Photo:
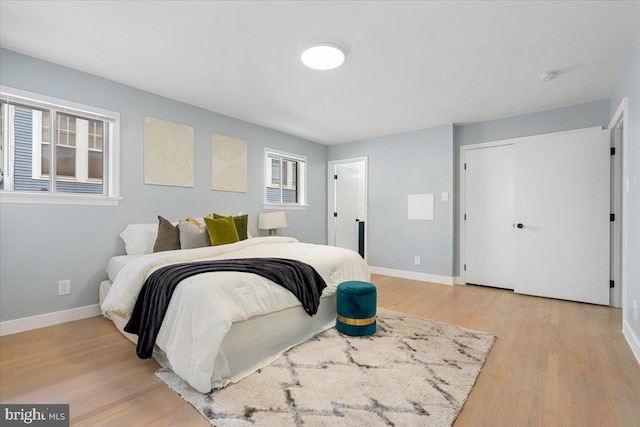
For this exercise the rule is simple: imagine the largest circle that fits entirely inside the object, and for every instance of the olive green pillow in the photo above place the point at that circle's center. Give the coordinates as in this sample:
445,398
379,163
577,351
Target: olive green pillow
240,221
168,236
221,231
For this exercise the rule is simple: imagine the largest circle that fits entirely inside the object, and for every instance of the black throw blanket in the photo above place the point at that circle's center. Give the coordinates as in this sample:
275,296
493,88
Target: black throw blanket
153,300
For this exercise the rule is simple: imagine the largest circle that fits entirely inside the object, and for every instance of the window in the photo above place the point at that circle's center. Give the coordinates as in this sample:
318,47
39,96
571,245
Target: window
54,151
285,179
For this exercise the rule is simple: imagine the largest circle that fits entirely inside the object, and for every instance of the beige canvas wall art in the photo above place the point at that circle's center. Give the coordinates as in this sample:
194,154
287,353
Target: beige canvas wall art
228,163
168,153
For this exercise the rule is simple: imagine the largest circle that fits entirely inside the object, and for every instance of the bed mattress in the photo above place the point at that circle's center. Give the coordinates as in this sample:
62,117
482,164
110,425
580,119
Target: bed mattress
220,327
117,263
251,344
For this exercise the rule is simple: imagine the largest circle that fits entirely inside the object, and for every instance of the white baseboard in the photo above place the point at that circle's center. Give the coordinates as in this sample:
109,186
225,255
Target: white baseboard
34,322
412,275
458,280
632,339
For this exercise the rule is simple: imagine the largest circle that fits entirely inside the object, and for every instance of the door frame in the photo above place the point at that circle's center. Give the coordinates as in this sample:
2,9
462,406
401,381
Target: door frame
463,151
619,120
331,196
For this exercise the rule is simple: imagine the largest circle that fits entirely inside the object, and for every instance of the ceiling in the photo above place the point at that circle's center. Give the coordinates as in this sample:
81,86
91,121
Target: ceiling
410,65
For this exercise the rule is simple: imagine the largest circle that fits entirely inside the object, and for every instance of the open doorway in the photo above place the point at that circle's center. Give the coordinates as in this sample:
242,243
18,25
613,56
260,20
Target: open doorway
347,187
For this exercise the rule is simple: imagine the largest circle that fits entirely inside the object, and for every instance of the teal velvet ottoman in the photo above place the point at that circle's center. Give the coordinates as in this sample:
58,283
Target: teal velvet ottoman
356,306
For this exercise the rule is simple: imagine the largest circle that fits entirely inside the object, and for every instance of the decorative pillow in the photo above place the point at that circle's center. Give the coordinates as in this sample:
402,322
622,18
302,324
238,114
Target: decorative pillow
221,231
241,222
168,236
195,222
139,238
193,236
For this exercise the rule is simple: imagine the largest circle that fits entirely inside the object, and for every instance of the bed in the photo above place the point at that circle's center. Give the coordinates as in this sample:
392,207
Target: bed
222,326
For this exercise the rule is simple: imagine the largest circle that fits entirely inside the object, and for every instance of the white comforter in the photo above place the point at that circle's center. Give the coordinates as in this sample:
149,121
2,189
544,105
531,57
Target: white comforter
203,307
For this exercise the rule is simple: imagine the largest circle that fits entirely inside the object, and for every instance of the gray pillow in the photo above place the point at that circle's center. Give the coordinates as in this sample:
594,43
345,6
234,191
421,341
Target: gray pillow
193,236
168,236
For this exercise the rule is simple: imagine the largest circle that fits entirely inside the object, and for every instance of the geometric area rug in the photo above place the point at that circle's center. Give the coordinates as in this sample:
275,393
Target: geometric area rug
412,372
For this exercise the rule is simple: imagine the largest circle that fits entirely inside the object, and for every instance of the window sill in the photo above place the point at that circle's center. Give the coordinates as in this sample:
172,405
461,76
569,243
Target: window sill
57,199
285,207
45,178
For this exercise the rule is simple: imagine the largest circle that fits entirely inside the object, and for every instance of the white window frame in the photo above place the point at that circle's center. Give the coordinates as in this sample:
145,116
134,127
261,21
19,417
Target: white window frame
111,179
269,153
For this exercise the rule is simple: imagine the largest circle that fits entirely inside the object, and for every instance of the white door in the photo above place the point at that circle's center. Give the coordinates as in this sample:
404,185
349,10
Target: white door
562,203
489,209
346,221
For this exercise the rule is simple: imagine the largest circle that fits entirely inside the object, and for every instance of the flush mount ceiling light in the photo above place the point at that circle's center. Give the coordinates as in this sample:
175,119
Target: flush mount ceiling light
549,75
323,56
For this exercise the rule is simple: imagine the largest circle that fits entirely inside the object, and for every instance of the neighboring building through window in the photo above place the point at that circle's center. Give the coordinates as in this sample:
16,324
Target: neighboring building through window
285,179
56,151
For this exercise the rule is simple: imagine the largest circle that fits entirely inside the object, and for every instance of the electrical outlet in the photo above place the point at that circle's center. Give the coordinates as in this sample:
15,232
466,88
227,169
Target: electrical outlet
64,287
416,260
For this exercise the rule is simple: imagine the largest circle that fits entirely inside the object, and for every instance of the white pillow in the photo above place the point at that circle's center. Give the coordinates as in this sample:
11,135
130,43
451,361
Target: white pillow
139,238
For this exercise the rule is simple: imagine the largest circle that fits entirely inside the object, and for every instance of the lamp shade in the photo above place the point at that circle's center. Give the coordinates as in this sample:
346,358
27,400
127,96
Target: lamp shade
272,220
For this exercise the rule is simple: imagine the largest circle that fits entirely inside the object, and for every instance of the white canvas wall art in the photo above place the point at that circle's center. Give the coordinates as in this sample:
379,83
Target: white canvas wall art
228,163
168,153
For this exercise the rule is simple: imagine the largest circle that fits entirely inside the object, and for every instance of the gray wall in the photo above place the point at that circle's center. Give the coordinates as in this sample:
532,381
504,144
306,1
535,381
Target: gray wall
579,116
427,161
416,162
41,244
629,86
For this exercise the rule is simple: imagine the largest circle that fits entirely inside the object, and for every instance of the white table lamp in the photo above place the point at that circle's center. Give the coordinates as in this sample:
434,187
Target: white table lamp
272,221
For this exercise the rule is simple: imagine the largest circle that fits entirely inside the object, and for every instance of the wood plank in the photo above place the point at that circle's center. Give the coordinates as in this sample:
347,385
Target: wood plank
555,363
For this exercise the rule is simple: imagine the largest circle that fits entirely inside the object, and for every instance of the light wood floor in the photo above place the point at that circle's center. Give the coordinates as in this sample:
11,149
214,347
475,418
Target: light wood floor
555,363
